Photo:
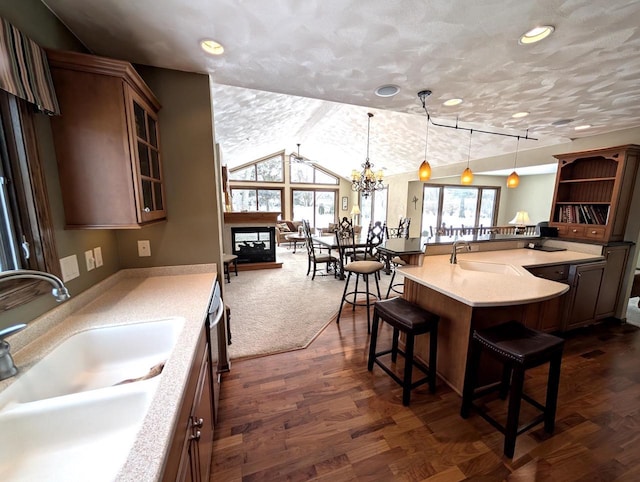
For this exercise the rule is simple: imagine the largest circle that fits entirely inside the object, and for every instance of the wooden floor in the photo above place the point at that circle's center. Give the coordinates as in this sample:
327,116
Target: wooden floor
318,414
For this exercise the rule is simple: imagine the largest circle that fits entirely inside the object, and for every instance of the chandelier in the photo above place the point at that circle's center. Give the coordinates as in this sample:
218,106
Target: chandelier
366,181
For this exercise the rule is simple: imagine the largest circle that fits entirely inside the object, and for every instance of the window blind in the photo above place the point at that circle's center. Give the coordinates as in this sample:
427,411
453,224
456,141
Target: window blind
24,71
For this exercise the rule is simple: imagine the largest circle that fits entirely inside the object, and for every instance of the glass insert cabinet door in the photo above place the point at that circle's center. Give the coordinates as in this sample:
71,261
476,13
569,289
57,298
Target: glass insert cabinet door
151,192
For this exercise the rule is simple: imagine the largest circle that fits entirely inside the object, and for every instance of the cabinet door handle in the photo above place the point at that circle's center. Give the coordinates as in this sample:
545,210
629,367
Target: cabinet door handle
574,230
198,423
147,210
196,436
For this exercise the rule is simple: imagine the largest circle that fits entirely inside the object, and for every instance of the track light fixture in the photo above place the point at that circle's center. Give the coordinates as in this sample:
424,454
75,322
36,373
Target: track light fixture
423,94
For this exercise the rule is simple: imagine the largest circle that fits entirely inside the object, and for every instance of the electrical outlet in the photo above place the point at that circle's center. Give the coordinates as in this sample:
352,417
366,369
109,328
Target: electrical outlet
69,268
144,248
91,262
97,254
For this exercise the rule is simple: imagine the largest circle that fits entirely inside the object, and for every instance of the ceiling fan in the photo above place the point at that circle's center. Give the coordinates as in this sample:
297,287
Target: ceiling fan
298,158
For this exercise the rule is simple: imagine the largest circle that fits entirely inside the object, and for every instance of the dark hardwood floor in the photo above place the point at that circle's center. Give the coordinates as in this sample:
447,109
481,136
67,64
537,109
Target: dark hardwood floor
318,414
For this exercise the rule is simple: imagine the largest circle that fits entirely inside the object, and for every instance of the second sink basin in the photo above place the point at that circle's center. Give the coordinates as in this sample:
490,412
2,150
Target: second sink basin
488,267
96,358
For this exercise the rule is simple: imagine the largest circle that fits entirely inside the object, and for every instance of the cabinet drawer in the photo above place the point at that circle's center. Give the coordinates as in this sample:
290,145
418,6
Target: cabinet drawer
592,232
558,272
574,231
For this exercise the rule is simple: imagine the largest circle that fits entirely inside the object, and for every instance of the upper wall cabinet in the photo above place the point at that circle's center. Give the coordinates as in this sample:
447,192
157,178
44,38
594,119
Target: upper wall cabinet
107,143
593,193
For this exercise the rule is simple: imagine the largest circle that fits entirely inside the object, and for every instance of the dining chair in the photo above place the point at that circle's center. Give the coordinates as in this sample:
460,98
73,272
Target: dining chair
402,231
375,237
345,241
317,258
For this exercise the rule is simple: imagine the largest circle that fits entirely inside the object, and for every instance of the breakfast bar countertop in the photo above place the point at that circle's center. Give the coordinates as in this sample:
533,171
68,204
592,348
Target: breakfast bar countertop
128,296
477,287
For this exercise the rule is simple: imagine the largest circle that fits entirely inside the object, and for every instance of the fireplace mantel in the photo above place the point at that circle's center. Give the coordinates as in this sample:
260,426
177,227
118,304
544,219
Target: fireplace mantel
251,218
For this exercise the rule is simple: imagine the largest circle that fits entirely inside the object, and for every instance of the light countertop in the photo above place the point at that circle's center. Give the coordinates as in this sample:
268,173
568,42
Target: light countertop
126,297
485,289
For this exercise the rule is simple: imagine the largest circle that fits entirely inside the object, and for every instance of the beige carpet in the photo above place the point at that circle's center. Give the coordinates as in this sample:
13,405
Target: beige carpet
276,310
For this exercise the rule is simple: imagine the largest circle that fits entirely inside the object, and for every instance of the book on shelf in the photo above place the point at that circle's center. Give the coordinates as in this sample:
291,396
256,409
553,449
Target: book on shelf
583,214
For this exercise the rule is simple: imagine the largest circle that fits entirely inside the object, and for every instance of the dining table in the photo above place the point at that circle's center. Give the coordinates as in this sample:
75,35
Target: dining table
330,242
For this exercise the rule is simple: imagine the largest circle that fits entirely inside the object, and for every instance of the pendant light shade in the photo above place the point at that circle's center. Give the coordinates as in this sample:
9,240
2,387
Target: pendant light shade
467,175
513,180
424,173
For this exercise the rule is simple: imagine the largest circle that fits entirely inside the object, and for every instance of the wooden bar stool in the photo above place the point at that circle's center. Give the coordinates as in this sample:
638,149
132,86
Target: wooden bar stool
229,260
518,348
411,320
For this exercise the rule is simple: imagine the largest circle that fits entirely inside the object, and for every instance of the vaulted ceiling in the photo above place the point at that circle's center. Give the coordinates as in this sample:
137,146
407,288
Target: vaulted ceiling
306,71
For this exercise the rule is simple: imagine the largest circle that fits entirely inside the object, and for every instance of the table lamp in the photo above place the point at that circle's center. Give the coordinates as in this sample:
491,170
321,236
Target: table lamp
521,219
355,210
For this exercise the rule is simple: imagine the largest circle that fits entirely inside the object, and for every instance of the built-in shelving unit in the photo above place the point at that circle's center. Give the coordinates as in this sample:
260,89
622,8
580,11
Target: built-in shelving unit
593,193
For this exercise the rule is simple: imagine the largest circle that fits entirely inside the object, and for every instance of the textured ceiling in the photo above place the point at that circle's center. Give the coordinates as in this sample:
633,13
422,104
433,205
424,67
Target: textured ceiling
305,71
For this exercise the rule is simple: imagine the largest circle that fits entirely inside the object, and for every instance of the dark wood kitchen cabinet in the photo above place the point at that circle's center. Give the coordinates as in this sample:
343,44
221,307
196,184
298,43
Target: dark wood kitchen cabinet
585,281
191,449
616,258
593,193
106,142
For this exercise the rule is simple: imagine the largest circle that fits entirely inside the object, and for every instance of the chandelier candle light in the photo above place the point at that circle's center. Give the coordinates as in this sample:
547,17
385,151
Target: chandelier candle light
366,181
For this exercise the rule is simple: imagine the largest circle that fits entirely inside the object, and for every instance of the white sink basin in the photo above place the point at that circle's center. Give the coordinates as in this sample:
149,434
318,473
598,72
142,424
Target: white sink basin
96,358
488,267
77,438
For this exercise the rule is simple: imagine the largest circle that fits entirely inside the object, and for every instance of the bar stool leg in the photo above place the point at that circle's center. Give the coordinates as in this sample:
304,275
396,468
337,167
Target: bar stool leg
366,281
506,381
344,294
408,367
355,293
552,393
394,345
433,357
374,340
470,379
513,414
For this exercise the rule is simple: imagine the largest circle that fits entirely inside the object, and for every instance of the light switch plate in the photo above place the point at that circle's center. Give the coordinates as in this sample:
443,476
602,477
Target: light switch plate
69,268
97,255
144,248
91,262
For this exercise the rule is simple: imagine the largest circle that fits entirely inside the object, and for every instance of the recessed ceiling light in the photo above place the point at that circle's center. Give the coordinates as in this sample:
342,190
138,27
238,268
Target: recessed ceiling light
212,47
562,122
519,115
536,34
452,102
387,90
581,128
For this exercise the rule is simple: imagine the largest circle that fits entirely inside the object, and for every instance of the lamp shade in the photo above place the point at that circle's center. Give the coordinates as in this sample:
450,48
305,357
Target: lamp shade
424,173
467,177
513,180
521,218
355,210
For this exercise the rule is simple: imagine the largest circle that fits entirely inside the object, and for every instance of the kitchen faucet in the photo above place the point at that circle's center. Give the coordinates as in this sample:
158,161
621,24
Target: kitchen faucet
59,292
458,244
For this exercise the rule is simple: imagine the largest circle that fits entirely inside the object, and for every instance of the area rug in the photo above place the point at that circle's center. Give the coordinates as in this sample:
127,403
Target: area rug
277,310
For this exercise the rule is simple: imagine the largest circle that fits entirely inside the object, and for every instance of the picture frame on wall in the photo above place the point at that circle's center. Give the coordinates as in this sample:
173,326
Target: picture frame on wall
345,203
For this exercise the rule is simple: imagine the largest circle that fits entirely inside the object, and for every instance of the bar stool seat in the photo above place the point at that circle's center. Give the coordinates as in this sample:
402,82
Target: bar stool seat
229,260
411,320
518,348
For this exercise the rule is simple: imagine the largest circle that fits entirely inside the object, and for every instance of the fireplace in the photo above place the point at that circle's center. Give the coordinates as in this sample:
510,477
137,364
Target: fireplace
254,244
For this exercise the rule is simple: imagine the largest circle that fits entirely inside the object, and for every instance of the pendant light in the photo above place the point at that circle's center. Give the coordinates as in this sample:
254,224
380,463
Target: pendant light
513,180
467,175
424,173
